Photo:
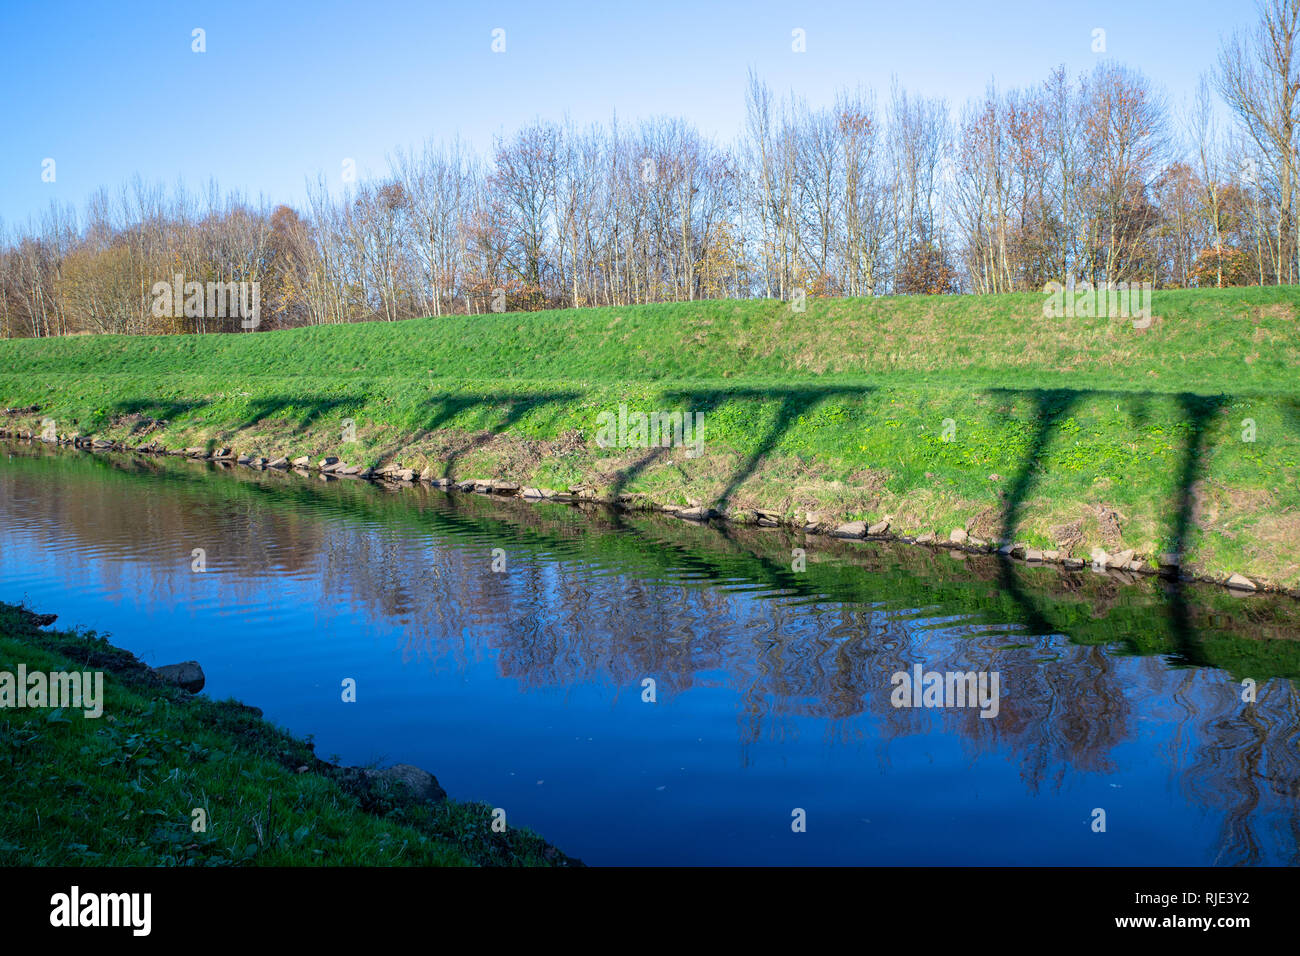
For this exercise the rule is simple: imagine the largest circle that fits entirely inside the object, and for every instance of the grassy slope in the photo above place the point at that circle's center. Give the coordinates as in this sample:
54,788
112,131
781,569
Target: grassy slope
839,409
120,789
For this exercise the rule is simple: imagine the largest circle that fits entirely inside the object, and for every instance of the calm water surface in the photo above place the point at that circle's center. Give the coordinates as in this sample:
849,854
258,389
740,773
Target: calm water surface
523,688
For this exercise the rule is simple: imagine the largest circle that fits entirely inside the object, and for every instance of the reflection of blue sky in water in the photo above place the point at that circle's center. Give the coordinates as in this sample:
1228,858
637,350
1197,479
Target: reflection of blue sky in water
523,689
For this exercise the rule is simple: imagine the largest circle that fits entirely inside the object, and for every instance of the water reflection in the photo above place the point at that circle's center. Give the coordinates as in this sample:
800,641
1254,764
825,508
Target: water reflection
1095,674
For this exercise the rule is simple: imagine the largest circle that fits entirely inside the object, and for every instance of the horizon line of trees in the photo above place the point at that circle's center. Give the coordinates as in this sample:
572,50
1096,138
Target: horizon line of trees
1093,179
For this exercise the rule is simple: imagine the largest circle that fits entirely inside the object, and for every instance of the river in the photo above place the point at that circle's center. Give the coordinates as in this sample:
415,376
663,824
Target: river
643,690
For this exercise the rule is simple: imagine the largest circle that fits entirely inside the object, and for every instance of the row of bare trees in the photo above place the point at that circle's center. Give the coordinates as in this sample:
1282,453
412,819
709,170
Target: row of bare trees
1093,178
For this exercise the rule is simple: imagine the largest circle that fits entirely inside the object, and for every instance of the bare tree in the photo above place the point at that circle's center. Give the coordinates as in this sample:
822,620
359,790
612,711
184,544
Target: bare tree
1259,79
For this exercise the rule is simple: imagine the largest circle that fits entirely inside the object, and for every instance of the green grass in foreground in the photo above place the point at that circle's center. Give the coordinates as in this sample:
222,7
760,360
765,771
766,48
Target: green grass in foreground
120,789
1065,433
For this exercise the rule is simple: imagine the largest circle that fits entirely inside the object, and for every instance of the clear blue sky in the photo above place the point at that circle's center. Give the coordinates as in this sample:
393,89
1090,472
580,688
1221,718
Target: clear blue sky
288,89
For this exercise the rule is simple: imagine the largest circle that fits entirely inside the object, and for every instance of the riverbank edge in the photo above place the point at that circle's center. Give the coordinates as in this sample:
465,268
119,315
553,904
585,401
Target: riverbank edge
381,797
813,525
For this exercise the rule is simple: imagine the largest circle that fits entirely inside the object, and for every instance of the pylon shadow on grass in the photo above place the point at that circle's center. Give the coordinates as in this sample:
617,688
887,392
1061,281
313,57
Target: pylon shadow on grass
792,404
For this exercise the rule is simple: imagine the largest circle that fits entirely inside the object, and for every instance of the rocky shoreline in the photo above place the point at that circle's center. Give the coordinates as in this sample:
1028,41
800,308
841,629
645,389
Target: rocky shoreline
1123,564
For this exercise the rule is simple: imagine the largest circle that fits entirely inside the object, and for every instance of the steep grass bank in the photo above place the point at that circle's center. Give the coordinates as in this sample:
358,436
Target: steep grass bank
931,412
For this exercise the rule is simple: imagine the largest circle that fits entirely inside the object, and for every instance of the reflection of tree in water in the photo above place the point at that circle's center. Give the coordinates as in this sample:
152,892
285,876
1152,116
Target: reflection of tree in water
830,662
569,617
1247,765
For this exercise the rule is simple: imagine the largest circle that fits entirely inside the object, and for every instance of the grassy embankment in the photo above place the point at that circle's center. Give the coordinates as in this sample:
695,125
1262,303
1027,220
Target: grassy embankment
1065,433
120,789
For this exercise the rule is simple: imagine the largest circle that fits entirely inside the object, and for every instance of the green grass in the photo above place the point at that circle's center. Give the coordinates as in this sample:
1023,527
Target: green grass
121,789
840,409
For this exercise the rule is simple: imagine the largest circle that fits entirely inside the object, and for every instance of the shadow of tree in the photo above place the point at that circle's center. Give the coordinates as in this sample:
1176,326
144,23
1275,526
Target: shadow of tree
310,408
156,408
1050,407
516,408
1053,405
162,410
451,406
1198,410
792,403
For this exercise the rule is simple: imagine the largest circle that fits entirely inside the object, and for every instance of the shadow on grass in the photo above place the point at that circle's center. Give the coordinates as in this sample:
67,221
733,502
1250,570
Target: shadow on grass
450,407
792,404
159,410
1051,408
308,408
1053,405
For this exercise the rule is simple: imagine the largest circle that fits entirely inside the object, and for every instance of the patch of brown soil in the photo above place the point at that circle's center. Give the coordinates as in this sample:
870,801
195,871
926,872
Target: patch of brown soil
987,524
1108,526
1067,537
867,479
1206,509
516,457
1279,533
139,424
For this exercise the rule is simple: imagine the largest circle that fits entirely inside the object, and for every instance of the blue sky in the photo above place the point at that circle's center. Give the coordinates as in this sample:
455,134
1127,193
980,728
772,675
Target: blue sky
285,90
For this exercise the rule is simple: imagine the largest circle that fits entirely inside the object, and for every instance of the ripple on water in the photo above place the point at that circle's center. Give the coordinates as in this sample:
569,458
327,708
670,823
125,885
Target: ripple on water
677,690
